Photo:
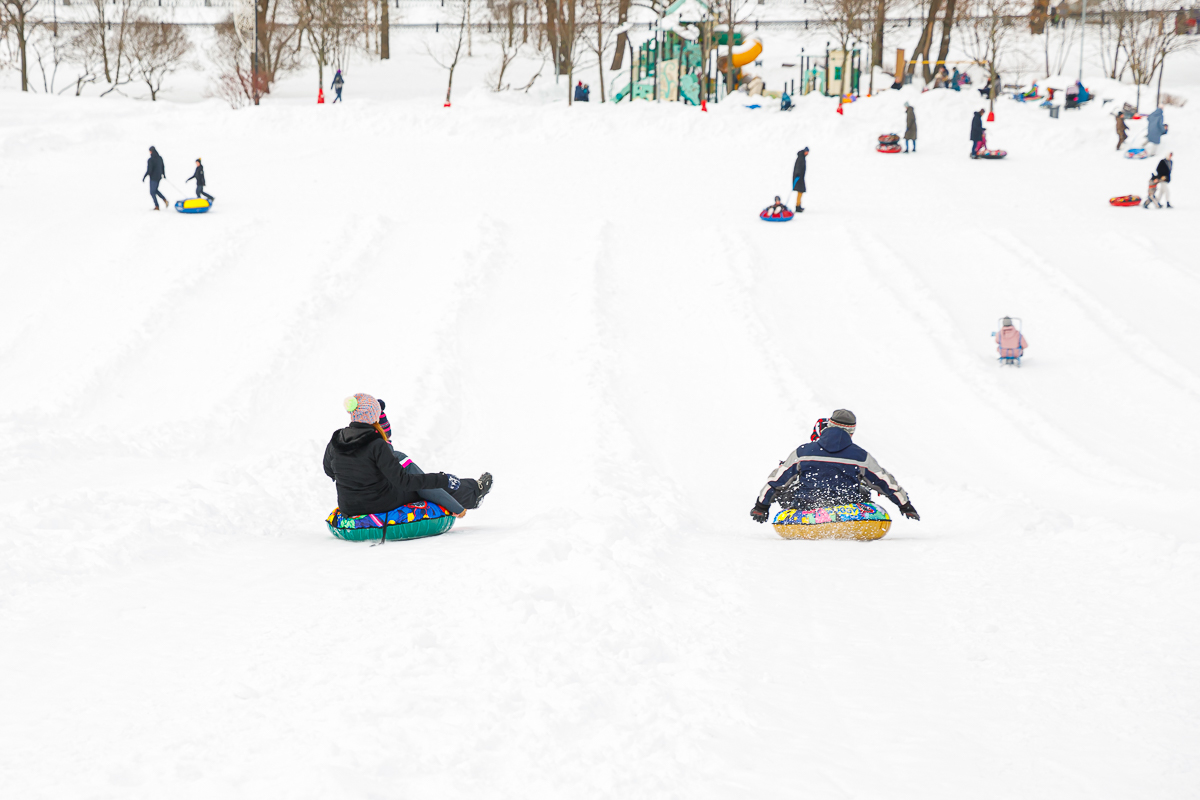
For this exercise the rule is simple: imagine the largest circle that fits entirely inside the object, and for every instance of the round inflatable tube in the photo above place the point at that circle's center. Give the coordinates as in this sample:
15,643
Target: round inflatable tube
993,154
193,205
1127,200
888,148
889,138
786,216
413,521
864,522
1137,153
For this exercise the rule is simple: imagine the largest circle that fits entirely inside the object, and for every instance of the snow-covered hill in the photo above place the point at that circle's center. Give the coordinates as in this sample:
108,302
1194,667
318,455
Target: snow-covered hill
583,302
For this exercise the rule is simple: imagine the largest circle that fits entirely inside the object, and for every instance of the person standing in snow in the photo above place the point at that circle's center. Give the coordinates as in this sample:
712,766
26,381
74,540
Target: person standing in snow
338,83
1152,191
1122,130
910,127
156,171
830,471
1155,130
1010,342
470,492
798,170
976,132
368,474
1163,173
198,176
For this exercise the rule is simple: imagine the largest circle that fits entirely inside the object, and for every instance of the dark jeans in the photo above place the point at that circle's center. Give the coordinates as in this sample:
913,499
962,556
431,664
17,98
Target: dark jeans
201,193
914,144
339,95
155,194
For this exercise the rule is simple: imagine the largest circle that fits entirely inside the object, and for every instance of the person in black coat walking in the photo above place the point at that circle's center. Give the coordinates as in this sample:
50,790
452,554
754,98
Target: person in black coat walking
798,177
976,132
156,171
198,175
338,83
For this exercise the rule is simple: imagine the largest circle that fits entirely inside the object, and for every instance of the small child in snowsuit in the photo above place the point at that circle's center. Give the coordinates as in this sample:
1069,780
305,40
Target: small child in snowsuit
198,176
1152,192
776,209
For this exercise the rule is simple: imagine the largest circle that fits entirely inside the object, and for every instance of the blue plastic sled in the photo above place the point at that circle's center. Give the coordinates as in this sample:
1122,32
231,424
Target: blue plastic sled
193,205
785,216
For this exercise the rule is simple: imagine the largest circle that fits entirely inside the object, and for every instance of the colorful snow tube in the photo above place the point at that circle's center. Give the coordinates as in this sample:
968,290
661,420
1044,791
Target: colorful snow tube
413,521
888,148
1126,200
784,216
889,138
864,522
1137,152
193,205
993,154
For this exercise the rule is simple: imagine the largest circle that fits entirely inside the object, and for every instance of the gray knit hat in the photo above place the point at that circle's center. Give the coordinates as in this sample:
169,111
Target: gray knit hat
845,419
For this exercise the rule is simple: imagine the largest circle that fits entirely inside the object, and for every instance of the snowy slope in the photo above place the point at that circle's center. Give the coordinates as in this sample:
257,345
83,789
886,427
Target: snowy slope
583,302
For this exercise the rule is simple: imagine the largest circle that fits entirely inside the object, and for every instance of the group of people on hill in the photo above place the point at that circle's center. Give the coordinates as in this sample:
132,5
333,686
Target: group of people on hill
1156,128
582,92
156,171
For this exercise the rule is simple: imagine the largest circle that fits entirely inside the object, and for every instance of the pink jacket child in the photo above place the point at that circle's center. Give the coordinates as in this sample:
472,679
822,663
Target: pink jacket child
1010,341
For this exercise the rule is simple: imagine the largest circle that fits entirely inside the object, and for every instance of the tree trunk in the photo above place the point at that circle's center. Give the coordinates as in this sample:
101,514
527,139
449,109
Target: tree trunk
947,26
922,48
600,47
385,50
552,34
877,36
619,53
729,57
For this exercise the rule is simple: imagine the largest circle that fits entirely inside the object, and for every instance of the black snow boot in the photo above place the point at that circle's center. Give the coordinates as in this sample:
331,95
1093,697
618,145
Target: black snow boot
485,486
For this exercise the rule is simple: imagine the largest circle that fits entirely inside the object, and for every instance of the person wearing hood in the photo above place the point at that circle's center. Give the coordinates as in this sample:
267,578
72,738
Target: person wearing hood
910,127
976,132
338,83
1155,130
1010,342
370,478
198,176
798,170
830,471
156,171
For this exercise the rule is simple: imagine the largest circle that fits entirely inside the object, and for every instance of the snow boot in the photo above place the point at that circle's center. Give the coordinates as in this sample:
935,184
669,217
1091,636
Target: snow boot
485,486
1169,204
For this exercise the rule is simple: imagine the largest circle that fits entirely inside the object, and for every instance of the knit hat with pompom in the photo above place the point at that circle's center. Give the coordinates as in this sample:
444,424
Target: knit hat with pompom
362,408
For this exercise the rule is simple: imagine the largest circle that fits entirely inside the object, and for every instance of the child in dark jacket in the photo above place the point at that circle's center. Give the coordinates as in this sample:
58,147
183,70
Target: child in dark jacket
198,176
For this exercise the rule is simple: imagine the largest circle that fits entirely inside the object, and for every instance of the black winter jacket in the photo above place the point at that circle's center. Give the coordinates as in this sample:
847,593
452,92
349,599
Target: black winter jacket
798,172
369,477
1164,170
155,169
198,175
977,127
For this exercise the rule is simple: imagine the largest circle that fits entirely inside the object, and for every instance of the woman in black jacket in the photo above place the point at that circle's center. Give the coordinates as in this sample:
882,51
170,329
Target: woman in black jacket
370,478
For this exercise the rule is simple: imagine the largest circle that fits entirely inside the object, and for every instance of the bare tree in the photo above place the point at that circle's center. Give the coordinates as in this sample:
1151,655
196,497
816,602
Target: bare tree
385,36
947,27
1150,36
507,37
601,13
157,50
925,42
989,35
844,20
730,13
20,17
327,26
445,55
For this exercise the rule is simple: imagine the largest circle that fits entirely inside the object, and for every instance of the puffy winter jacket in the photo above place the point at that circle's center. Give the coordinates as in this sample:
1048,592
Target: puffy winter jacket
798,170
976,127
155,170
1010,340
1155,127
831,471
369,477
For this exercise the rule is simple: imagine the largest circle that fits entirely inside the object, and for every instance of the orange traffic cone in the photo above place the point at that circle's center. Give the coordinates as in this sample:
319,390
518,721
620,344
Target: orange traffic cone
703,105
320,95
991,116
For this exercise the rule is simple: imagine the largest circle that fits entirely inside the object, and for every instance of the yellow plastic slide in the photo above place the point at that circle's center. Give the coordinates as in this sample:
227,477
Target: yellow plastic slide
743,55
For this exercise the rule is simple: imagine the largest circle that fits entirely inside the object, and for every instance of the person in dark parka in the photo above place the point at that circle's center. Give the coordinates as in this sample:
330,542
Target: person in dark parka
976,132
910,129
198,175
338,83
156,171
369,477
798,177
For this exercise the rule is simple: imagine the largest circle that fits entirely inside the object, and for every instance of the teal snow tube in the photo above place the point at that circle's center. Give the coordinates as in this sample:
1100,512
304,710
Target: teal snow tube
413,521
